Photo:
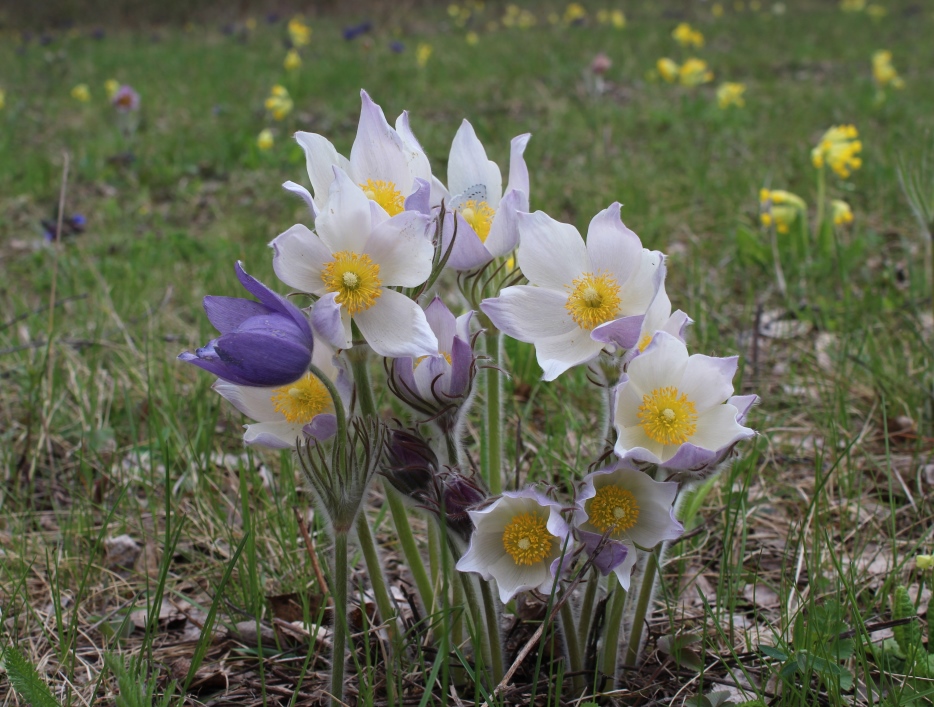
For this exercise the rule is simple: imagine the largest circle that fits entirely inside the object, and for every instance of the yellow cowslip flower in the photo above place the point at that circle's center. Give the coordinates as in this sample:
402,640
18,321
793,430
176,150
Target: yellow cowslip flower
472,38
716,10
731,94
81,92
454,10
876,12
279,103
668,69
2,99
780,208
422,55
852,5
299,32
526,20
694,72
687,36
839,149
293,61
265,140
511,16
883,72
111,86
841,211
250,24
924,562
617,19
574,12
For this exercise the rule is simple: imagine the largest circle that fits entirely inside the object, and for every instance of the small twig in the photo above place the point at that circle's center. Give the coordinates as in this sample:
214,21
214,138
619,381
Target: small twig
313,554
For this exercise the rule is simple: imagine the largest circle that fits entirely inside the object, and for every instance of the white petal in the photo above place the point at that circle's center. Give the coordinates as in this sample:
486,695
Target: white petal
623,571
708,381
396,327
442,323
637,293
469,167
486,549
631,438
512,578
378,151
401,248
530,313
255,403
662,364
612,247
718,428
298,259
345,222
559,353
320,159
658,313
518,171
268,433
504,231
628,402
304,195
331,321
551,254
418,161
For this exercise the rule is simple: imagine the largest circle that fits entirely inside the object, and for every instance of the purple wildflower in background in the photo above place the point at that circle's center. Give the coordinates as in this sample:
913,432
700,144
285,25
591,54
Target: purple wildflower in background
354,31
125,100
396,47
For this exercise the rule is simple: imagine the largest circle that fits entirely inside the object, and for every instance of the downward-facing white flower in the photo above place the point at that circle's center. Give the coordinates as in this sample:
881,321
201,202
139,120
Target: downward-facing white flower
676,410
519,541
581,299
387,164
486,219
291,412
351,262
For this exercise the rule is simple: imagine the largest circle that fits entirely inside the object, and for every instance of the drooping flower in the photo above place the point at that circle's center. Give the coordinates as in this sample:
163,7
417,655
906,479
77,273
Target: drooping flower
299,32
111,86
780,208
842,213
839,149
292,61
352,260
389,165
676,410
519,541
486,219
440,384
264,344
265,140
687,36
668,69
299,410
125,100
279,103
582,299
694,72
81,93
730,93
636,510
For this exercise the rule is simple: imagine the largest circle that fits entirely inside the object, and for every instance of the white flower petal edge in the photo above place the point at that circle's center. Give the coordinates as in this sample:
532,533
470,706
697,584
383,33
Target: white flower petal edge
488,556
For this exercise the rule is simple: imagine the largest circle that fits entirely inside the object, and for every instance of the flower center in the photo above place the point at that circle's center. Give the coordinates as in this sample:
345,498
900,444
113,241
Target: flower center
445,354
385,194
668,417
355,279
613,507
479,215
301,401
527,540
594,300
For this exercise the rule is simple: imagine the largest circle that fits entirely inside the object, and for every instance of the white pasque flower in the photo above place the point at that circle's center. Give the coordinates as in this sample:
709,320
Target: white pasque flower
581,299
302,409
486,219
518,540
636,509
351,261
676,410
388,164
659,317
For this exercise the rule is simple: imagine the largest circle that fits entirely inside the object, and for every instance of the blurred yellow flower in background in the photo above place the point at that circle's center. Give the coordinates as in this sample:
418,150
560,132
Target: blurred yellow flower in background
279,103
924,562
617,19
472,38
422,55
876,12
716,10
687,36
667,69
299,32
250,24
883,72
293,61
852,5
574,12
780,208
842,213
81,92
731,94
111,86
265,139
2,99
694,72
839,149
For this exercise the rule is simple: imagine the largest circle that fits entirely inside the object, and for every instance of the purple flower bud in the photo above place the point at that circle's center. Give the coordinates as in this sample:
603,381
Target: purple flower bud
411,466
461,495
264,344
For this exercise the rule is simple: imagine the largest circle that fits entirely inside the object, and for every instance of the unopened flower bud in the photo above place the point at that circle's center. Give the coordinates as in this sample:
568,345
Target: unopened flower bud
410,465
461,494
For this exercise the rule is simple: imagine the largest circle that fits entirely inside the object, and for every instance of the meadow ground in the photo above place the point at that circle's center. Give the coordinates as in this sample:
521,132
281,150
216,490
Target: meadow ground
132,517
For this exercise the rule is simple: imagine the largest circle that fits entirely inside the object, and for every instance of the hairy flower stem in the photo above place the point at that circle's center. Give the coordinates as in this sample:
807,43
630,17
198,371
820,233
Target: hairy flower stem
614,624
492,629
575,655
484,615
646,592
590,595
358,356
492,462
374,569
339,594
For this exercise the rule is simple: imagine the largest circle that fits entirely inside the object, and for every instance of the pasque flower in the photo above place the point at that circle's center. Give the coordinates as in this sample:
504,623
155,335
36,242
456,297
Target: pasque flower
631,509
352,260
266,343
518,540
125,100
581,299
486,219
678,411
659,317
387,164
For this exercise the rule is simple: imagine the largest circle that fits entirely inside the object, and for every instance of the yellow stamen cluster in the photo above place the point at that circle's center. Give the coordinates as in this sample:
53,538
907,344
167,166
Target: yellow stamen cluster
527,540
667,416
479,215
301,401
594,300
839,149
613,507
385,194
644,342
355,279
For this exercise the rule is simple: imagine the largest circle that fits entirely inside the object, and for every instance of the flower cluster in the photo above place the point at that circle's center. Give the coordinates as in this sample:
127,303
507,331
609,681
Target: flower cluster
279,103
839,149
781,209
687,36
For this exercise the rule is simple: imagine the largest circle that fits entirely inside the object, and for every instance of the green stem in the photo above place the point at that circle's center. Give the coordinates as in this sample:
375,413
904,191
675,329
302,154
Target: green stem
487,628
435,561
375,570
492,463
590,595
575,657
821,198
614,624
492,629
646,590
339,593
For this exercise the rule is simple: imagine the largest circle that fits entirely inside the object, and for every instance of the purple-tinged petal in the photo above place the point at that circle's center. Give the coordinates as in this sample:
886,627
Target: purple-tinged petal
622,332
461,361
420,199
530,313
743,404
504,231
468,251
611,555
227,313
442,323
322,427
275,301
328,320
611,246
378,151
518,171
305,196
